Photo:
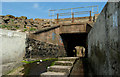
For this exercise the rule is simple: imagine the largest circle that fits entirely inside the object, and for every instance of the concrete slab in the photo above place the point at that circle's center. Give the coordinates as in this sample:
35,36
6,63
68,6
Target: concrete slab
58,68
64,63
53,74
67,58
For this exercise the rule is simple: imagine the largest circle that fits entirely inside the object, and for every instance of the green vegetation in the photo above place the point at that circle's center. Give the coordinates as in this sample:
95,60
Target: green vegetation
24,26
24,30
78,52
28,62
9,27
16,27
12,20
32,29
49,59
53,63
11,71
3,26
26,69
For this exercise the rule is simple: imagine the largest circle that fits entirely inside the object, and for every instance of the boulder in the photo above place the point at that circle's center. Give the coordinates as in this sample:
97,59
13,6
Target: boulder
10,16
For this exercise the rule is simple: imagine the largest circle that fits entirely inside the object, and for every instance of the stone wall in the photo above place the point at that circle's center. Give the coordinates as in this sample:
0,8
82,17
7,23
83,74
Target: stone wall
49,35
104,43
12,49
36,49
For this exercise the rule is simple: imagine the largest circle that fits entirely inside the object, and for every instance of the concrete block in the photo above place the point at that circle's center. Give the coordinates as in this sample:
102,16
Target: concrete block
64,63
68,58
53,74
57,68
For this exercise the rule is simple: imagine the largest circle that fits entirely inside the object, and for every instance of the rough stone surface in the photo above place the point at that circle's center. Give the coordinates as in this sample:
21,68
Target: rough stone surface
103,41
38,49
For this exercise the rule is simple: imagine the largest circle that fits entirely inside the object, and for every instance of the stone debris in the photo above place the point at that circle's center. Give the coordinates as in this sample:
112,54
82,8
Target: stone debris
11,22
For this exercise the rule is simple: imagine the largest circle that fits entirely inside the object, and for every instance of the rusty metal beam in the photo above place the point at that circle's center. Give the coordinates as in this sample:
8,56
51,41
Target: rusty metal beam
90,18
57,18
72,17
73,8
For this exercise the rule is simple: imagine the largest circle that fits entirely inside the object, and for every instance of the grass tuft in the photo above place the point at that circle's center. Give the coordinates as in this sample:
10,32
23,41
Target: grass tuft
28,62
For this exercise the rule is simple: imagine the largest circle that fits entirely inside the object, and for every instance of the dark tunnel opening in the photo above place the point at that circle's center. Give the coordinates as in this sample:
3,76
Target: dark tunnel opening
71,40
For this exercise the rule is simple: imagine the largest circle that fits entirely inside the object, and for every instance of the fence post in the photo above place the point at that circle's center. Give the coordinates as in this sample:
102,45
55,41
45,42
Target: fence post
57,18
72,17
90,17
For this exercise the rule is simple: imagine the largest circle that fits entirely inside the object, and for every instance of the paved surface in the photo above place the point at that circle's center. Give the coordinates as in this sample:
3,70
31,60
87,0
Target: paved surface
81,69
77,69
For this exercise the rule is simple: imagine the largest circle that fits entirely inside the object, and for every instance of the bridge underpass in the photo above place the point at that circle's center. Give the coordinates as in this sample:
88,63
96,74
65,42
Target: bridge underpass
73,34
103,51
71,40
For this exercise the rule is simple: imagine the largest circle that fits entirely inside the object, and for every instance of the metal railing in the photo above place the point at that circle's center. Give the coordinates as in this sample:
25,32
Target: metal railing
72,13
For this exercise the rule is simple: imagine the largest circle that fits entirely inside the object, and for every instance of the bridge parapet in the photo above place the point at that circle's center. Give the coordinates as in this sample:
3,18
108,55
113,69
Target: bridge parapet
81,27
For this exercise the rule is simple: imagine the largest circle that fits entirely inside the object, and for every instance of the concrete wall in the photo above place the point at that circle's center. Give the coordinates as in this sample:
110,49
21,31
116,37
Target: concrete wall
73,28
104,41
12,49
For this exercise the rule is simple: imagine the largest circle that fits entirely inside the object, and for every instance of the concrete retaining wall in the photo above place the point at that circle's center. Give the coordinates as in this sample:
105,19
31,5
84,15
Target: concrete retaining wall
104,41
12,45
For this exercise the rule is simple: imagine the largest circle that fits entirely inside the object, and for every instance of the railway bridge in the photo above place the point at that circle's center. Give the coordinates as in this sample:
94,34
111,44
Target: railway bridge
100,38
68,32
68,35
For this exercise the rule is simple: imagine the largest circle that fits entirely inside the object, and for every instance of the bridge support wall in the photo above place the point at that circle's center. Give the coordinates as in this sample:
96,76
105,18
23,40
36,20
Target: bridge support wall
104,41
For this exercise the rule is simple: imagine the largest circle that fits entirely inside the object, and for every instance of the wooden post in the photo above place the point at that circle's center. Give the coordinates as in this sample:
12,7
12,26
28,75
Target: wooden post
72,17
90,17
57,18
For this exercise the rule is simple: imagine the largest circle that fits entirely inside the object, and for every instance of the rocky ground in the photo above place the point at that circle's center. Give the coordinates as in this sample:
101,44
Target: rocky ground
23,24
38,49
